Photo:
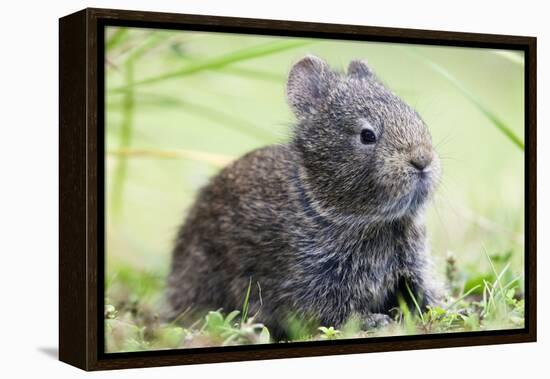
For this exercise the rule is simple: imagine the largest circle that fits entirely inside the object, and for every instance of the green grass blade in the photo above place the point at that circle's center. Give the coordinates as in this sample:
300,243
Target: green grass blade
138,48
495,120
415,302
463,296
116,38
490,305
153,40
119,175
498,275
216,160
246,302
128,105
230,317
510,284
511,56
255,74
222,61
229,120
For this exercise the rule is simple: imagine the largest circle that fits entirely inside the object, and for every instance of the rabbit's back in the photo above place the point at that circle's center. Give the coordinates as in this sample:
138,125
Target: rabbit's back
235,232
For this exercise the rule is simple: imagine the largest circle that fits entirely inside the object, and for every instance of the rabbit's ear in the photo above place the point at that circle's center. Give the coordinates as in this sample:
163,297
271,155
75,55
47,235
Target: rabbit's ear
307,85
360,69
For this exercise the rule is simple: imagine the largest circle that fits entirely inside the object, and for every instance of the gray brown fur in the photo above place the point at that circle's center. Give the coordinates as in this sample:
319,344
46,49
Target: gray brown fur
327,226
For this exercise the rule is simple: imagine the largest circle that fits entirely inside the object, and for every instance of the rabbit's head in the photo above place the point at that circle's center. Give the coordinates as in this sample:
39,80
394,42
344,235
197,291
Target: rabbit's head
364,152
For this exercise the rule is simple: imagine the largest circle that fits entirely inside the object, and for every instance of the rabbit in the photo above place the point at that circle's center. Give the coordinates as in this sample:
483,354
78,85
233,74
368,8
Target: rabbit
326,227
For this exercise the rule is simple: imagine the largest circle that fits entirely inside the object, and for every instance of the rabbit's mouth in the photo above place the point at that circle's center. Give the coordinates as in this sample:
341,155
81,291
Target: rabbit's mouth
414,199
422,189
424,174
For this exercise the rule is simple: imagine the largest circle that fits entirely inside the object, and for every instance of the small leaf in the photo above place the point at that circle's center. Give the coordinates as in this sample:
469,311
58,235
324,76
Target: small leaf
323,329
110,311
264,336
230,317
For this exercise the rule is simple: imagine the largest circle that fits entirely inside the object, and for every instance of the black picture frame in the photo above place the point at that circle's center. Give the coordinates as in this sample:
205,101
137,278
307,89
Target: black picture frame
81,183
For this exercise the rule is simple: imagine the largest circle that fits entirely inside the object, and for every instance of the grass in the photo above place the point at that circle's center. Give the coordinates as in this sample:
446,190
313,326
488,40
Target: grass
133,322
495,120
219,62
182,105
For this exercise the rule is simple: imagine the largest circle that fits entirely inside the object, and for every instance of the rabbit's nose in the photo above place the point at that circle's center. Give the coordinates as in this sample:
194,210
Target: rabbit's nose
421,160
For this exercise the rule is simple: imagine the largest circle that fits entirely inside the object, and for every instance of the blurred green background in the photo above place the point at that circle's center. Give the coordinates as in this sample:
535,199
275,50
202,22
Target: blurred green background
180,105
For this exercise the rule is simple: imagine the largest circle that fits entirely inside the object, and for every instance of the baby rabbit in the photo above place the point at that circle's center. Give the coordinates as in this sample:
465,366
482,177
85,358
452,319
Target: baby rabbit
328,226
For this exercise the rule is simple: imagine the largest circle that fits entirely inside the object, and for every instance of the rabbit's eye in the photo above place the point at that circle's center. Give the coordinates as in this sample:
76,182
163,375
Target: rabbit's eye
367,137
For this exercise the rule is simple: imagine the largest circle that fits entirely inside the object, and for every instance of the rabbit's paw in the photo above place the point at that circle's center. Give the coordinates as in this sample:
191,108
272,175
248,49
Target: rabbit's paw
376,320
